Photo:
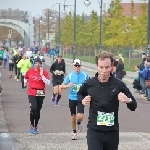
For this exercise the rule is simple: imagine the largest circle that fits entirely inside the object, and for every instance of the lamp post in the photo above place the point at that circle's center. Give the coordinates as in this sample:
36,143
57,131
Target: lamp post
148,30
58,26
40,20
87,3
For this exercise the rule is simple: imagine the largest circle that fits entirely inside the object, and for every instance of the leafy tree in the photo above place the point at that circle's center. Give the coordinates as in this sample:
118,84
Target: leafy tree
67,30
113,25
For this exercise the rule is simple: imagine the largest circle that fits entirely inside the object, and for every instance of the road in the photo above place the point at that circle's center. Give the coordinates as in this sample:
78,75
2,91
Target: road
54,126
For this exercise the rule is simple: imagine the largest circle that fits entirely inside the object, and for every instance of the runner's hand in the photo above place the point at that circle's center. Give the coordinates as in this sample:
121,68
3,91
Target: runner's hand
55,73
25,84
123,98
41,71
70,84
86,101
61,72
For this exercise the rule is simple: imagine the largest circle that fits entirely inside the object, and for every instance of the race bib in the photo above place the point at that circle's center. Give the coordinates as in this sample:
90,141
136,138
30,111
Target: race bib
58,72
40,93
23,74
105,119
76,87
10,61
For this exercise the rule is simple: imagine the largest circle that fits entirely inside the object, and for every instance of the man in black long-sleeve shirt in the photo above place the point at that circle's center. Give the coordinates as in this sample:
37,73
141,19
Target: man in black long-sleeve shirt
103,93
58,70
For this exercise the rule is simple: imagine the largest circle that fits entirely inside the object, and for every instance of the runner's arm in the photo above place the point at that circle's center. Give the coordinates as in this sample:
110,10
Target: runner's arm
133,104
45,80
66,82
52,68
82,93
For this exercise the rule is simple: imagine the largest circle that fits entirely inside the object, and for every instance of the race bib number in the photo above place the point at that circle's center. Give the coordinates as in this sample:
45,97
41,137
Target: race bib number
76,87
105,119
40,93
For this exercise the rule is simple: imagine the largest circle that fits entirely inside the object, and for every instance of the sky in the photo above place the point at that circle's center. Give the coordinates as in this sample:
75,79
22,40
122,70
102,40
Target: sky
36,6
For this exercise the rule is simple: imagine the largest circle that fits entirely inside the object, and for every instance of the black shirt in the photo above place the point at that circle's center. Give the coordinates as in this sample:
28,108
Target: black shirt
57,66
104,98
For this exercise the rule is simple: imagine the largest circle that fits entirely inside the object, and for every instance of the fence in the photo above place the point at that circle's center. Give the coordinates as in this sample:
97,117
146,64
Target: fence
87,53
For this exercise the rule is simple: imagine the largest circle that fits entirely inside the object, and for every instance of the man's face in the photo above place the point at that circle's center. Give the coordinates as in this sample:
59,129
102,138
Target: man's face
59,59
77,67
104,68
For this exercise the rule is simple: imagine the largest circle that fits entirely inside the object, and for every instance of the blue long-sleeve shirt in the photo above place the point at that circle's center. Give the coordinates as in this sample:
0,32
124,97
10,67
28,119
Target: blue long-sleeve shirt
146,73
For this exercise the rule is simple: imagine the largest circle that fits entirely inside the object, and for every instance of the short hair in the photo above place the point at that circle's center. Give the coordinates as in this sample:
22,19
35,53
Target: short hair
120,60
103,56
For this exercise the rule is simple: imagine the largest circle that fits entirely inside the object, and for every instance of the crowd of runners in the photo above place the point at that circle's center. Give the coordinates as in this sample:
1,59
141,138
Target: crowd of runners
102,92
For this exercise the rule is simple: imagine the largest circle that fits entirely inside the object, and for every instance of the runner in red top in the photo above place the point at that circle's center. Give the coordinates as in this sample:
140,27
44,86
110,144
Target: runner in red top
36,77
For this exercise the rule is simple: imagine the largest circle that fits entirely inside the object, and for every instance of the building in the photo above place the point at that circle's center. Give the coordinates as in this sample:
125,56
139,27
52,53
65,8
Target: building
127,9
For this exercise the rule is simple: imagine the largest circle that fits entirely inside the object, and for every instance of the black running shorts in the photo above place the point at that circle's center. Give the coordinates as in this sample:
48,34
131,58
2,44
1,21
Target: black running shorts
56,82
75,104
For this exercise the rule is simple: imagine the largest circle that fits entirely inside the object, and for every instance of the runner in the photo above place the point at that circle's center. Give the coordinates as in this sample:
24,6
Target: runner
17,58
24,64
73,81
37,77
5,57
58,70
103,93
1,56
11,63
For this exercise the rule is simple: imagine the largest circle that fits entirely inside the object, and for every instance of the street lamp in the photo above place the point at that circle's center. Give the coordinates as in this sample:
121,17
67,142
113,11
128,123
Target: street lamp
50,17
87,3
148,30
40,20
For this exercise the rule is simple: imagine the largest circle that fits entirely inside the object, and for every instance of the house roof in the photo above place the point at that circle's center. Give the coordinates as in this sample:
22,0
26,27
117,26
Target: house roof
127,9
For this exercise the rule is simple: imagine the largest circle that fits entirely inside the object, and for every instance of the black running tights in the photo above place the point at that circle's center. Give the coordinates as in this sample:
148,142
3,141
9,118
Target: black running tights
35,105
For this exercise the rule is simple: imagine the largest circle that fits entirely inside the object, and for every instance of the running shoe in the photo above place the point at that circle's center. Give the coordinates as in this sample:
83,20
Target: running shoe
56,104
74,136
31,129
80,127
17,80
15,77
35,131
53,99
10,76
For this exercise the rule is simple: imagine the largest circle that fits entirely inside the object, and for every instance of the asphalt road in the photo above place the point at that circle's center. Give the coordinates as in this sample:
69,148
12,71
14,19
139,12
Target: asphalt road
54,125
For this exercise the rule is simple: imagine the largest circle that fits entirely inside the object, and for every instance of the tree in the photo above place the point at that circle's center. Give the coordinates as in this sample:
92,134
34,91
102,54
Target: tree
67,30
113,25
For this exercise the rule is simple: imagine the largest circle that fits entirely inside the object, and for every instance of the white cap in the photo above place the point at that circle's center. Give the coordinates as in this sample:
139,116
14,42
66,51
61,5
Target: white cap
77,61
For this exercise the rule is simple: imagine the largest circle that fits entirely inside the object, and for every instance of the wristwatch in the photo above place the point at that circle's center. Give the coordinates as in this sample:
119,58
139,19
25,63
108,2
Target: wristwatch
130,99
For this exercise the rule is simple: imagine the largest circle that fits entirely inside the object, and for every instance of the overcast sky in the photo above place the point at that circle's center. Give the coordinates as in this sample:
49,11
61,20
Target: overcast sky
36,6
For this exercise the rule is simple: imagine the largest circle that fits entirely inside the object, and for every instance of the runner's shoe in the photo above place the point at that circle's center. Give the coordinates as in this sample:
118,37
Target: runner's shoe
80,127
17,80
31,129
35,131
10,76
53,99
74,136
15,77
56,104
